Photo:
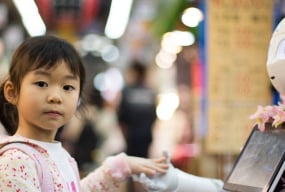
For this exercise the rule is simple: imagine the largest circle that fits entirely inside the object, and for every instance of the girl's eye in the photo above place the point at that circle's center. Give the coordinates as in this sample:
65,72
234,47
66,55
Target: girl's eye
68,87
41,84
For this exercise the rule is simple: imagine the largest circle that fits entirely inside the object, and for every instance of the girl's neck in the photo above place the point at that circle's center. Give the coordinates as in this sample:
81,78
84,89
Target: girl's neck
45,136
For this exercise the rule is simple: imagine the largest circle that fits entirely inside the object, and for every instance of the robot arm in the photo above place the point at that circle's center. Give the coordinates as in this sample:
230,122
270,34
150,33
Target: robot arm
176,180
188,182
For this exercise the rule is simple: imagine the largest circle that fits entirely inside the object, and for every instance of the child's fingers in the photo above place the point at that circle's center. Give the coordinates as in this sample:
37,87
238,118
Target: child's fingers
160,167
150,171
159,160
148,166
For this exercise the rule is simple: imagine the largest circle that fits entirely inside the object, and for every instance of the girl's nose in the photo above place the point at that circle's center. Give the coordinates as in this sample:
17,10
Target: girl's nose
54,98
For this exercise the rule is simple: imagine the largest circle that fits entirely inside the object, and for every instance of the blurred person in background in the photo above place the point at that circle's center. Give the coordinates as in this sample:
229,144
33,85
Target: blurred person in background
136,112
108,127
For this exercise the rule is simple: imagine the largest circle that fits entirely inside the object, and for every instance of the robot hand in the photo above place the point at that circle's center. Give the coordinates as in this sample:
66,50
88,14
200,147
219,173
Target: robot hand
162,182
178,181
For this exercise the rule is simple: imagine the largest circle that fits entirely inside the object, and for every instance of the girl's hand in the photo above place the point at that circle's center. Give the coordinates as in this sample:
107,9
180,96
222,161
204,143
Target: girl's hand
148,166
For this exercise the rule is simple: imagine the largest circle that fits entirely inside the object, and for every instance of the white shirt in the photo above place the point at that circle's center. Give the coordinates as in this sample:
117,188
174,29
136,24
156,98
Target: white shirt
60,156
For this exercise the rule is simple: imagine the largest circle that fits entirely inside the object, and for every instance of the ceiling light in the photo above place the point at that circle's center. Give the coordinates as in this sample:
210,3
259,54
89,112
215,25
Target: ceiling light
191,17
118,18
30,17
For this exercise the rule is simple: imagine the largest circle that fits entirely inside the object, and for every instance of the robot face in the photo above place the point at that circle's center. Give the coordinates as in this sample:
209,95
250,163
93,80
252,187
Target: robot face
276,58
276,72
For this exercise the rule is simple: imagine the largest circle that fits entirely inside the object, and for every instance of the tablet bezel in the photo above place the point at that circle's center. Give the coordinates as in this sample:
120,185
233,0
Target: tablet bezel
244,188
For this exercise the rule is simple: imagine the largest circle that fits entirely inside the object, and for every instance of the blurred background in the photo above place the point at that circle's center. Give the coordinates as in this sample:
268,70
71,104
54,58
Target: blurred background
205,60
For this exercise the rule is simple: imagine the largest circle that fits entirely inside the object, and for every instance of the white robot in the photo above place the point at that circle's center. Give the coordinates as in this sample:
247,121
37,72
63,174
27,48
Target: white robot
176,180
276,58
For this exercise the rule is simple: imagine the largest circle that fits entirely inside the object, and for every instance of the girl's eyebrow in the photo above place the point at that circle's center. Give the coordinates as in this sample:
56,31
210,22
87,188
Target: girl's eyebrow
41,72
45,73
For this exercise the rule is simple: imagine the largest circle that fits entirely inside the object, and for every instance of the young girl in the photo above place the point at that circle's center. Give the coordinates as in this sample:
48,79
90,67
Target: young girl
40,95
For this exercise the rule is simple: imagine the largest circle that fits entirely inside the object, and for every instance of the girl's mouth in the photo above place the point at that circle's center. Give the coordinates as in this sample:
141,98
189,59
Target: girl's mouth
53,114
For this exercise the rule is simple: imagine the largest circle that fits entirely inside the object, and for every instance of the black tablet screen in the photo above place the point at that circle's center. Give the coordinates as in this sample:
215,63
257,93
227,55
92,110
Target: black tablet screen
259,161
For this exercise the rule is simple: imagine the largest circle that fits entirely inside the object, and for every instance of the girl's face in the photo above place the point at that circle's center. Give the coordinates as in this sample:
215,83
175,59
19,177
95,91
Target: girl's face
47,100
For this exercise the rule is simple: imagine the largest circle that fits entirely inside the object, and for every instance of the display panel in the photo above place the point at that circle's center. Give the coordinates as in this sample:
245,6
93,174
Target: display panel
259,162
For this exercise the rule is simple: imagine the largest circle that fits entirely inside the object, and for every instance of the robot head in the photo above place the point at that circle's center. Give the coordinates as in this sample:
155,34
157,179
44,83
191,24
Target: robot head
276,58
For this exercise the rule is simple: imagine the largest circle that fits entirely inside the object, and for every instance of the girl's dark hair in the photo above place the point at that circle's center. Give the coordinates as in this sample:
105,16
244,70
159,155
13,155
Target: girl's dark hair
37,52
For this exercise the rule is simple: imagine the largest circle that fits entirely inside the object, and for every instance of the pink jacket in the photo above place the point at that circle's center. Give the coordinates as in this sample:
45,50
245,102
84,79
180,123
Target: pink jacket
19,171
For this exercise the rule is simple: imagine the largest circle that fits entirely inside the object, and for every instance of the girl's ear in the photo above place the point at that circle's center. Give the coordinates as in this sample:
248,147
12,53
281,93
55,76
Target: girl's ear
10,92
